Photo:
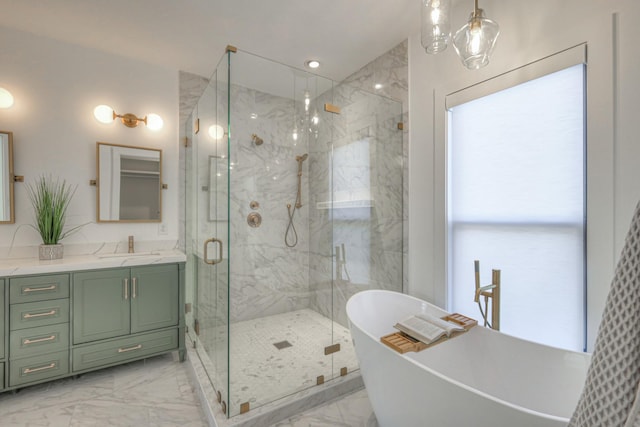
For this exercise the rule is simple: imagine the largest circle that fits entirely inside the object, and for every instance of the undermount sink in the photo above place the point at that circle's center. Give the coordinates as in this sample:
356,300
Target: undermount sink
127,255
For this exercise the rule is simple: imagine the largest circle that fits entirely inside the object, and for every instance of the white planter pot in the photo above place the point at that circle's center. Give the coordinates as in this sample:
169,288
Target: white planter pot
49,252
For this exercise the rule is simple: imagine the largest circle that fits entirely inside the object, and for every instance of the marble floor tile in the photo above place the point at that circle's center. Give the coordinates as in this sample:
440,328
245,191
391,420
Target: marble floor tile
151,392
353,410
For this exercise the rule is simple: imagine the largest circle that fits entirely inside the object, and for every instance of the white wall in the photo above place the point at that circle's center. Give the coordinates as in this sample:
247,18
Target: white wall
56,87
530,32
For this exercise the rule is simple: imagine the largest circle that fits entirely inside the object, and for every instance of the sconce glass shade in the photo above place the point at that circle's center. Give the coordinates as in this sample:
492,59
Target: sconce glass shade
104,114
154,122
6,99
435,26
474,42
216,132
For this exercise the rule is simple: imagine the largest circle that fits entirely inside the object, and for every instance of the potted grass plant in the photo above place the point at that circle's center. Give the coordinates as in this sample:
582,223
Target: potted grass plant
50,199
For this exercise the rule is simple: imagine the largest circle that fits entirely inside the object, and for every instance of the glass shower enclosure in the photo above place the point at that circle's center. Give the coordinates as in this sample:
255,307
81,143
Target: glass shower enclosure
294,203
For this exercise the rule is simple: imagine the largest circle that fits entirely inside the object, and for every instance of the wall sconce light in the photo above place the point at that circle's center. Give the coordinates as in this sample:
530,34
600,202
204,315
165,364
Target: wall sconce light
106,114
6,99
474,42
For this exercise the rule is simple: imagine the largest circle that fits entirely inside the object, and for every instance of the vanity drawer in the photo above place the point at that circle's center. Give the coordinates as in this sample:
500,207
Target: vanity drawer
107,353
38,288
41,313
41,340
24,371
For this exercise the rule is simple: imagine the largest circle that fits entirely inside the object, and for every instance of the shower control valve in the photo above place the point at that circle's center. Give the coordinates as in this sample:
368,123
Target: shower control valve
254,219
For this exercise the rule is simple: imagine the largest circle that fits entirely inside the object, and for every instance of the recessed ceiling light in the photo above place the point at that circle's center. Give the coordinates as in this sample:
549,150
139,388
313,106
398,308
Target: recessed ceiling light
378,86
312,63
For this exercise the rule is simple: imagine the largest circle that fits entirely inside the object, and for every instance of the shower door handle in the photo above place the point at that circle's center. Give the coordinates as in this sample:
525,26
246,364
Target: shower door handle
206,254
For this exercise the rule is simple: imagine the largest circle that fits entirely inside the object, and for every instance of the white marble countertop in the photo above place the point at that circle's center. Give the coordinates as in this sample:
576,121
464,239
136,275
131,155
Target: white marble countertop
29,265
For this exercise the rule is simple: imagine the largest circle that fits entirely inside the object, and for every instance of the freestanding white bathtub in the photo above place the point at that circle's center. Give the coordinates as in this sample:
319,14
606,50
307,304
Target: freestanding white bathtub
479,378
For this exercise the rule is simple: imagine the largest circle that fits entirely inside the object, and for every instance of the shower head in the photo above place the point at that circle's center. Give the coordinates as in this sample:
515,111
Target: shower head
302,158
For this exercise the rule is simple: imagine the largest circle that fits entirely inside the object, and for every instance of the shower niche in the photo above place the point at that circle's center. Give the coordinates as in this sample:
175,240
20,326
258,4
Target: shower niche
317,165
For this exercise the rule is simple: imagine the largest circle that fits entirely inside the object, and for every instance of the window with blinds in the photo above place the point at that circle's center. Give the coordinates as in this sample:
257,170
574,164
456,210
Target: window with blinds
516,202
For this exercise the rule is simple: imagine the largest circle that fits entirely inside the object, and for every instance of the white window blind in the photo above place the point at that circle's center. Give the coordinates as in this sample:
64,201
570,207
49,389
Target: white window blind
516,202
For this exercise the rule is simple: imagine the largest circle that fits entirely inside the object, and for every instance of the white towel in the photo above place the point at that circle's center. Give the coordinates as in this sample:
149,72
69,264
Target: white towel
633,420
611,386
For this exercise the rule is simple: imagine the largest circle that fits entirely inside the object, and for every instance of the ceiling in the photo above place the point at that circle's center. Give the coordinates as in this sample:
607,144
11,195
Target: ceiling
191,35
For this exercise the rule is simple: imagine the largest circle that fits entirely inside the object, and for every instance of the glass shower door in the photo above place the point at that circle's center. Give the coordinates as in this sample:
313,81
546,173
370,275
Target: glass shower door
280,278
367,215
211,237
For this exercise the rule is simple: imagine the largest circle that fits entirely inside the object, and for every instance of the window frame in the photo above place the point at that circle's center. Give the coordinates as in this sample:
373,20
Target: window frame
547,65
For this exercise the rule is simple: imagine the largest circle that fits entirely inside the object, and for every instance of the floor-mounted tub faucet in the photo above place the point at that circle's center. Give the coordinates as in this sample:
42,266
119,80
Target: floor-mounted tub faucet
489,291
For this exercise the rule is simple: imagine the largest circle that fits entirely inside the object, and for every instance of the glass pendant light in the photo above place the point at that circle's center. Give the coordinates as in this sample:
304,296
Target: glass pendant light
435,26
475,41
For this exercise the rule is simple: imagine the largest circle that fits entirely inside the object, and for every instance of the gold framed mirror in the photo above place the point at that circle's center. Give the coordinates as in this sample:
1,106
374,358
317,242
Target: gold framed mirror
7,178
129,183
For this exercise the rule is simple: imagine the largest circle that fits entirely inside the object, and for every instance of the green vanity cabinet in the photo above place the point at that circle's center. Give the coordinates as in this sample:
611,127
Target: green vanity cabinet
124,313
64,323
2,334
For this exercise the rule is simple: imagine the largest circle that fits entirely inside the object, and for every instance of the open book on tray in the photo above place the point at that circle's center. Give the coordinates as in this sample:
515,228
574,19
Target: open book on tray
429,329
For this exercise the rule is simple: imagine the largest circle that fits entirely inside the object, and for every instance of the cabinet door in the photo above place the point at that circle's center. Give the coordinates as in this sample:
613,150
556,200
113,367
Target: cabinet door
101,305
154,297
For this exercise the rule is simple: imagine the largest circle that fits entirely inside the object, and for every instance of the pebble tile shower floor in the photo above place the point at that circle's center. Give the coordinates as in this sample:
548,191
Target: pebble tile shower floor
261,372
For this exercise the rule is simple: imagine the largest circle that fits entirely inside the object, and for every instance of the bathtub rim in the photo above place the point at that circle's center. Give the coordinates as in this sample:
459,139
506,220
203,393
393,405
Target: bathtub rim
440,375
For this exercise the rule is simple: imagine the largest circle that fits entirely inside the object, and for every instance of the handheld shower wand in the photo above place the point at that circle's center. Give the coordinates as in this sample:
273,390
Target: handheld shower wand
300,160
297,205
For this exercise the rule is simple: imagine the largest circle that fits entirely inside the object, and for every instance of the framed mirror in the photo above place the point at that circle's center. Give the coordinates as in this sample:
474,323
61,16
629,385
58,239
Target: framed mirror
6,178
129,183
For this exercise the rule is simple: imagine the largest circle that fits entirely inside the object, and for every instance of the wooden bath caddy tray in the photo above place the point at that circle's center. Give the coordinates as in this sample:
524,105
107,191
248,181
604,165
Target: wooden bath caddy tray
404,343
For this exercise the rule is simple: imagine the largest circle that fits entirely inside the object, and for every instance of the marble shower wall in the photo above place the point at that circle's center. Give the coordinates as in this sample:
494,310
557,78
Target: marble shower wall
267,277
391,71
366,227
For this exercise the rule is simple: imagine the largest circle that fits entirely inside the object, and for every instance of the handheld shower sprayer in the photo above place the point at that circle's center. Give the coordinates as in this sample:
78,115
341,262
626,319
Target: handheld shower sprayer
298,204
300,160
